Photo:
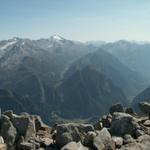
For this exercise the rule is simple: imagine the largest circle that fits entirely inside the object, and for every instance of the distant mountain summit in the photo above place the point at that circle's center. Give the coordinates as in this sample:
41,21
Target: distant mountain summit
57,37
135,55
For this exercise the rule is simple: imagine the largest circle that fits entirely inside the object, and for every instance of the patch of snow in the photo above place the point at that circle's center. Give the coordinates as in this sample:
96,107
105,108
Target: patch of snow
57,37
15,39
8,44
22,43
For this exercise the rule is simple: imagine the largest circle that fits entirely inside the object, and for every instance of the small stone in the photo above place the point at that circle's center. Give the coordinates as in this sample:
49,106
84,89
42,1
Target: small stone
39,123
103,141
27,146
88,141
139,133
143,138
9,113
3,147
106,121
145,107
37,145
1,140
74,146
128,139
129,110
118,141
147,123
136,146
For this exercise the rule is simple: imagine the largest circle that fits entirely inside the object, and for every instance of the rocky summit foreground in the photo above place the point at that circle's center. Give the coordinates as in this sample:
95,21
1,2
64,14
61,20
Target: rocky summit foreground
122,129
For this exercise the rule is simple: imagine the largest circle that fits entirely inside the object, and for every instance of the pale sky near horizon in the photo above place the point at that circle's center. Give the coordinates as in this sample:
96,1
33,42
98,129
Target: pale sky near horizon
82,20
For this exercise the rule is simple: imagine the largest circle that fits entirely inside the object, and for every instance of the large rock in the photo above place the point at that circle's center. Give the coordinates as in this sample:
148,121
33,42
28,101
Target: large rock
3,147
8,131
25,126
122,124
45,142
116,108
143,144
72,132
74,146
1,140
145,107
103,141
2,144
39,125
136,146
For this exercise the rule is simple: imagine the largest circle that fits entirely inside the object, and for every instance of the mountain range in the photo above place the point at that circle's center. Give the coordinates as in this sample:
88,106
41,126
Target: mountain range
70,79
134,55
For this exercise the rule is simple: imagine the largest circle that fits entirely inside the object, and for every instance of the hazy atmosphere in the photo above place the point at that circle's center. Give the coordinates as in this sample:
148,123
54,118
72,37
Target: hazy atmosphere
82,20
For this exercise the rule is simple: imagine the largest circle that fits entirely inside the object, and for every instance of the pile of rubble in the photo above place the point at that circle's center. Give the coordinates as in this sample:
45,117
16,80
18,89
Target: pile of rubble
121,129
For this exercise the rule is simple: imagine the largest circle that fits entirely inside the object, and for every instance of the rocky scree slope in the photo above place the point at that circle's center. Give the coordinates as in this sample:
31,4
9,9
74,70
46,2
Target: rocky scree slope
121,129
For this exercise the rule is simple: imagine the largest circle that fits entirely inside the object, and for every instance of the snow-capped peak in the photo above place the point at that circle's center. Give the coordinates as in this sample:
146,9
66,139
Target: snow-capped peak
57,37
14,38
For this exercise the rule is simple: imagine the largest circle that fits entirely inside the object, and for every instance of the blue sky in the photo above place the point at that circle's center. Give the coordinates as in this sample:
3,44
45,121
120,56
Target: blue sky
82,20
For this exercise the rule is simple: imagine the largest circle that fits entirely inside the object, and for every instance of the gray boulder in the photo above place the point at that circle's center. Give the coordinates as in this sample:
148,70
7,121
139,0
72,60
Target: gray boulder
118,107
144,138
136,146
139,133
25,126
88,141
106,121
8,132
72,132
38,123
147,123
118,141
129,110
103,141
9,113
143,144
123,123
74,146
1,140
145,107
3,147
128,139
2,144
